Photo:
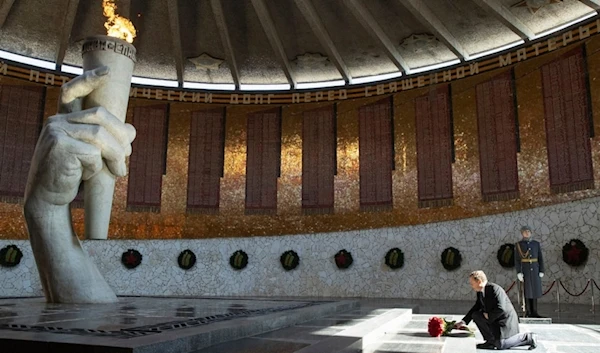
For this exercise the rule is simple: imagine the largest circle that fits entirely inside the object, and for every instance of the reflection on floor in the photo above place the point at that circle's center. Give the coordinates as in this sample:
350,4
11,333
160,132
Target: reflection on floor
133,314
299,325
575,329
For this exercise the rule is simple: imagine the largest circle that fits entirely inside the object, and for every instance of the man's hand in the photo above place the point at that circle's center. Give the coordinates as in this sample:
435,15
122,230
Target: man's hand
486,316
541,274
459,325
520,276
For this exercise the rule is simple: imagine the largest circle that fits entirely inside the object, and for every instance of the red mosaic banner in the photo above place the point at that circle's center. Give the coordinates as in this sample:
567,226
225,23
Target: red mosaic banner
318,160
434,148
207,149
21,116
496,122
376,155
263,159
567,117
148,160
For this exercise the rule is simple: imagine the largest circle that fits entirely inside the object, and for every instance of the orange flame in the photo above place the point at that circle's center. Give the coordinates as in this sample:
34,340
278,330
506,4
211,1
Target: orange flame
117,26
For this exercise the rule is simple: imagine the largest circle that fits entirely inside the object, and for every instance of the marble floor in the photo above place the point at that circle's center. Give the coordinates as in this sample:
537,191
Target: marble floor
575,329
282,325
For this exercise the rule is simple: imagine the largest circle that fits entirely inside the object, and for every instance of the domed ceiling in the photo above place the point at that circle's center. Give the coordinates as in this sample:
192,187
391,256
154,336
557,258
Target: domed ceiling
285,42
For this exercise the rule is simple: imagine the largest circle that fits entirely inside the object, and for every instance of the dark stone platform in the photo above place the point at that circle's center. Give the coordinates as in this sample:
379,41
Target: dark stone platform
148,325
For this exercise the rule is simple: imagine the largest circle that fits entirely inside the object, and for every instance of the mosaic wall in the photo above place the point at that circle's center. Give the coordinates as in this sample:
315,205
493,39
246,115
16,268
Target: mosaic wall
422,276
174,223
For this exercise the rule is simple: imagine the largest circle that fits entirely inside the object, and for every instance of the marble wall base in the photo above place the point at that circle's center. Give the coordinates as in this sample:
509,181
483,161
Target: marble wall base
422,276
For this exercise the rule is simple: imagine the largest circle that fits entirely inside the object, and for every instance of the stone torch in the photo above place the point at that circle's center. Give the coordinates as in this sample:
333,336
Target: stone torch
119,56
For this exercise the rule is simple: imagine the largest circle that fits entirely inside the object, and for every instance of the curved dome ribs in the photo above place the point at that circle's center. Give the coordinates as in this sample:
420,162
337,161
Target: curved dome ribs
370,24
176,39
217,9
4,10
318,28
287,44
421,12
507,18
594,4
276,44
66,30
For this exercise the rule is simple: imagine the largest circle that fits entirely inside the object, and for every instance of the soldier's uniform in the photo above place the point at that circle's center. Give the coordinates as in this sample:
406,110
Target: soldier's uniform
530,262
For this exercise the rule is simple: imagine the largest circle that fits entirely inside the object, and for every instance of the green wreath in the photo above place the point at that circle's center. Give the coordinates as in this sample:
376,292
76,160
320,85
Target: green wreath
131,258
394,258
238,260
575,253
10,256
451,259
186,259
506,255
289,260
343,259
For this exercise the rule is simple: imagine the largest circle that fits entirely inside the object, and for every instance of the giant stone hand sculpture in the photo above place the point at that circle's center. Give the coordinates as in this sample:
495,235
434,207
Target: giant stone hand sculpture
71,148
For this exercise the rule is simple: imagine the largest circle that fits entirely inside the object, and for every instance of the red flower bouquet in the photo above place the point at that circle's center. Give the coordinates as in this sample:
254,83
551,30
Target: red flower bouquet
441,327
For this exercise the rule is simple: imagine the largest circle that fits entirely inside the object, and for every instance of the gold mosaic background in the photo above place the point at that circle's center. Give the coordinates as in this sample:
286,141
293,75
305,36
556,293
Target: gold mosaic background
173,222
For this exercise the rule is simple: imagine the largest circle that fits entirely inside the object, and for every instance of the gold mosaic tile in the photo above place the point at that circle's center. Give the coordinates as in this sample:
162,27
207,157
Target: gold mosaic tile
174,223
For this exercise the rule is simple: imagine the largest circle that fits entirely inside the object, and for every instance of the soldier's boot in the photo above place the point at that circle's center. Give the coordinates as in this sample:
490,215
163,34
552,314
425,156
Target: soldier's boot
528,306
534,312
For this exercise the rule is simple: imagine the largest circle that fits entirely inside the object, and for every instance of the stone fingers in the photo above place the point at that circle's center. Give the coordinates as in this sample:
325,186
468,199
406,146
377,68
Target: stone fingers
122,132
88,155
110,148
79,87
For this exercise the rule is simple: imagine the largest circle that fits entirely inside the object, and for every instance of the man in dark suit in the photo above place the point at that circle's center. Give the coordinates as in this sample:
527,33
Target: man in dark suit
495,316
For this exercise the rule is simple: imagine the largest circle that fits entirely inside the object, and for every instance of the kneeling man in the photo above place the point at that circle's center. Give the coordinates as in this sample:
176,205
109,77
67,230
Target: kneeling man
495,316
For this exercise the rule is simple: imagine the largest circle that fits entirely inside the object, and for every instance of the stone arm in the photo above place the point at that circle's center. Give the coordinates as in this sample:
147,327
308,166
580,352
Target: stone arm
71,148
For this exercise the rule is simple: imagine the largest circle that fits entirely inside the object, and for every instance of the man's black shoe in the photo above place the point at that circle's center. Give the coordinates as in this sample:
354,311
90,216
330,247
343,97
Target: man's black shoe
533,344
486,345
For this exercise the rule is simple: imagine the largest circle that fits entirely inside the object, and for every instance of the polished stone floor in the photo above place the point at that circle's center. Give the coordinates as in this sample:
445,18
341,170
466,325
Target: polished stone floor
148,325
294,325
575,329
131,313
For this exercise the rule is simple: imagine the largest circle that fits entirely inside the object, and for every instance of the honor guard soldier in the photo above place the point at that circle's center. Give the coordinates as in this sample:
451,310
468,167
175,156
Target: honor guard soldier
529,263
